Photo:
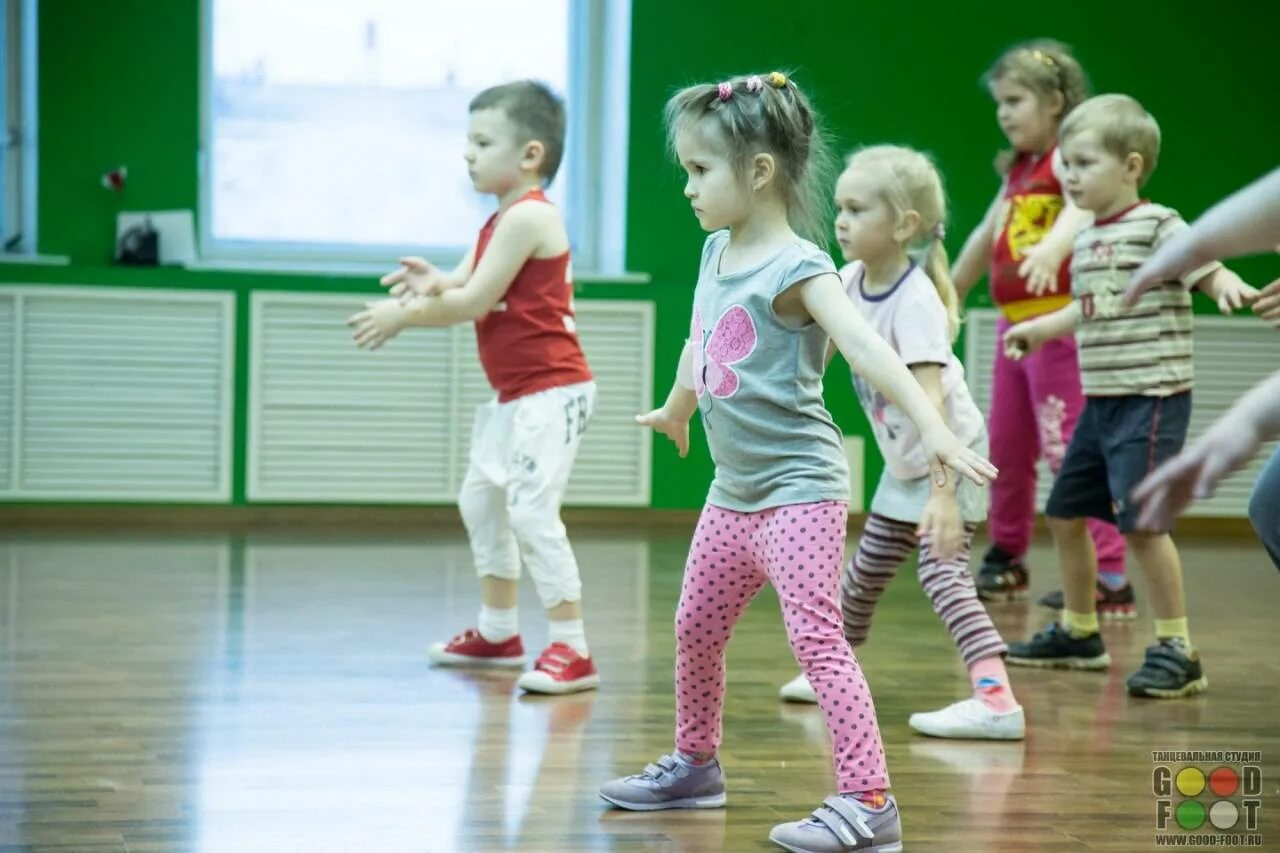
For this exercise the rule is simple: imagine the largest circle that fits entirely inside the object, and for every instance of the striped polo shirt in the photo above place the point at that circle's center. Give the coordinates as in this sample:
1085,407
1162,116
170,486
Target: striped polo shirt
1144,350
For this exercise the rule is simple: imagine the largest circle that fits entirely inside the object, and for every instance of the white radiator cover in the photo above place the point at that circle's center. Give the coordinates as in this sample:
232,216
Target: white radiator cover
1231,356
329,423
115,394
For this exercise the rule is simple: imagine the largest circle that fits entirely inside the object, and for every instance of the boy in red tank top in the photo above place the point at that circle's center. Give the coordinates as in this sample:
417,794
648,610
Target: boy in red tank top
515,285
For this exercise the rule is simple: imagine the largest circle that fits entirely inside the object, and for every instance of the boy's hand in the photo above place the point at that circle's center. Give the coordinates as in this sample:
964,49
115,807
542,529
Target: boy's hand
1268,305
1234,295
1021,339
1040,266
416,277
940,523
674,428
378,323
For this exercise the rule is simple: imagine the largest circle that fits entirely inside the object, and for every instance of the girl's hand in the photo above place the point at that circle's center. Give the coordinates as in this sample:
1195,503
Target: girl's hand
1268,305
378,323
674,428
941,525
944,450
416,277
1040,266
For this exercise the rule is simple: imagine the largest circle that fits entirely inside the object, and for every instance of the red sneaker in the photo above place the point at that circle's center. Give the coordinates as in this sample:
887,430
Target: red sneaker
471,649
560,670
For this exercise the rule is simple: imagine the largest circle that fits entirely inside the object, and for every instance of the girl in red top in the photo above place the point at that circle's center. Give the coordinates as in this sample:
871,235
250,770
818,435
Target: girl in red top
515,285
1025,240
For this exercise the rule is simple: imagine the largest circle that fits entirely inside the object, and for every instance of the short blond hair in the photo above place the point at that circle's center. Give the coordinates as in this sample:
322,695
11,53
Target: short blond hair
1123,128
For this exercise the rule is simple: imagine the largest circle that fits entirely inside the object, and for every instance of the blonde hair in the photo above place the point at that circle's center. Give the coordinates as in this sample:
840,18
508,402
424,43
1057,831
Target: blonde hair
1044,66
766,113
1123,128
909,180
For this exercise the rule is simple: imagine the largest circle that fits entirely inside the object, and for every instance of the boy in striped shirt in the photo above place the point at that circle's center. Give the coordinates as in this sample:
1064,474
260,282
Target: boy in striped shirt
1135,366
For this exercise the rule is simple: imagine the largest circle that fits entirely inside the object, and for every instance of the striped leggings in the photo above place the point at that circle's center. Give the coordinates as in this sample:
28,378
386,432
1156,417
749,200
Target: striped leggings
884,545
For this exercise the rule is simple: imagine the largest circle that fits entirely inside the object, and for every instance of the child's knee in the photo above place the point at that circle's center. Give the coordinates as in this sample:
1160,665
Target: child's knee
1066,527
556,589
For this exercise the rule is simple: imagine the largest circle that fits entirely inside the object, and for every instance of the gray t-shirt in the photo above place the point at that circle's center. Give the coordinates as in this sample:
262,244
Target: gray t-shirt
759,384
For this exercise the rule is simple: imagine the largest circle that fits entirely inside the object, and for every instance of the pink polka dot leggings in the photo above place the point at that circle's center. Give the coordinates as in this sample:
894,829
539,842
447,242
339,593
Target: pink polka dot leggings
800,550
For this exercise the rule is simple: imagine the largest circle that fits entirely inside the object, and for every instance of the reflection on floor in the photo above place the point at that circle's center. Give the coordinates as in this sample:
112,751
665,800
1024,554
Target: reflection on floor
269,693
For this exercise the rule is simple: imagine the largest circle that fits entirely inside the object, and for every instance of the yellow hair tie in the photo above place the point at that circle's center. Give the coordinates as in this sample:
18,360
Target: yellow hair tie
777,79
1044,57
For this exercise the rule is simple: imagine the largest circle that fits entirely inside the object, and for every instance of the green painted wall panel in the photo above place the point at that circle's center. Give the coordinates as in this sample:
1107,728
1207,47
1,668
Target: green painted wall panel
119,85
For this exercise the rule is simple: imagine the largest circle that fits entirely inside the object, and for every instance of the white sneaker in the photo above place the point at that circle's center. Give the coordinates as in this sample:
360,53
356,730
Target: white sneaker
969,718
798,689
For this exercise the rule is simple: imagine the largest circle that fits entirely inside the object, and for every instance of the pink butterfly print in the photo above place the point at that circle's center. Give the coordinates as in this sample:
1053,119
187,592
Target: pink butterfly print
732,340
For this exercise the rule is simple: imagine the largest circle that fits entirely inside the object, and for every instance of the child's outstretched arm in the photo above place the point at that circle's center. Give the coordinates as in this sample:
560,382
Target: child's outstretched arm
1042,260
825,300
672,417
1227,290
1029,335
1241,224
975,257
517,236
419,277
1223,448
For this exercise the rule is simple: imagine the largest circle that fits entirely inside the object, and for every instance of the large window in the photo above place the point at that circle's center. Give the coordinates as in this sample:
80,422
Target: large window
335,129
18,131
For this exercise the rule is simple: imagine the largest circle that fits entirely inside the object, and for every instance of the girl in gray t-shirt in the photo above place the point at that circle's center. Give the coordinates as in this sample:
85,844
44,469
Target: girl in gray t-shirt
766,302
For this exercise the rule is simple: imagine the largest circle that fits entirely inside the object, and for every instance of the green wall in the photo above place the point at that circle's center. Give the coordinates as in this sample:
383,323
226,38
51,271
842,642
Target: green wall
886,71
119,85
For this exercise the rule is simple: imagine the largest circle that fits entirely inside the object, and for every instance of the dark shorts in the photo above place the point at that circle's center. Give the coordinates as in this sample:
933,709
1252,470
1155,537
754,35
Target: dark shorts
1117,442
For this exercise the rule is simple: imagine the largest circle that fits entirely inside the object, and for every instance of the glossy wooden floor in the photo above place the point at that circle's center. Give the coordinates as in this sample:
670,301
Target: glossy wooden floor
269,693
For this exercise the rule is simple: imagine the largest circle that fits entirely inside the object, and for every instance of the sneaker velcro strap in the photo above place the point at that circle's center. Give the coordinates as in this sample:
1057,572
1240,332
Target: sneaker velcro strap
554,661
661,767
1170,660
839,815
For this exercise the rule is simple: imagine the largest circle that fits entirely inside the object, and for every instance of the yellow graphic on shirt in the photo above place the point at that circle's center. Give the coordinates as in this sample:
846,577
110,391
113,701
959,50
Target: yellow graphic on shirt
1027,218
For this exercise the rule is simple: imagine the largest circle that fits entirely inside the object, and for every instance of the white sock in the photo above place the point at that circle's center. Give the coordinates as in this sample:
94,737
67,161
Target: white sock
572,633
497,625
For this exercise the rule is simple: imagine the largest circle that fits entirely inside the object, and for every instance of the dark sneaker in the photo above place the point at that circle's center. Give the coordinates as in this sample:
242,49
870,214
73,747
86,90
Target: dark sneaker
1055,648
1118,604
1169,672
1002,576
843,824
669,783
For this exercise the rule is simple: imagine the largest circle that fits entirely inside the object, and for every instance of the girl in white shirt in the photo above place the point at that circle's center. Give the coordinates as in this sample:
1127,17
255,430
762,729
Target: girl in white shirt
890,217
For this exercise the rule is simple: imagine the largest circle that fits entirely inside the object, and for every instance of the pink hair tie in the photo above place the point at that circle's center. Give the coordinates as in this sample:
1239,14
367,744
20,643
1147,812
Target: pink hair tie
725,91
754,83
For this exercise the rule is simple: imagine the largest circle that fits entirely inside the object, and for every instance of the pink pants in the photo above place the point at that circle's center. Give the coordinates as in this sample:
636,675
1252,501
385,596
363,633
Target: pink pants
800,550
1035,403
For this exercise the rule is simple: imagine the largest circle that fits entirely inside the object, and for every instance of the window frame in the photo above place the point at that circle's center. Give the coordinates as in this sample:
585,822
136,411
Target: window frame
18,33
597,108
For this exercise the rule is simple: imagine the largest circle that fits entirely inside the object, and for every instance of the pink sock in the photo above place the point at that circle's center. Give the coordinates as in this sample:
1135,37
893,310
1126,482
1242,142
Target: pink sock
991,684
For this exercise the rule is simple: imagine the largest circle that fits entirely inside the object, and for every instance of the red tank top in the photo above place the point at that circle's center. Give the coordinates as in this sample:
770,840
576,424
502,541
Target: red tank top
1031,204
528,342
